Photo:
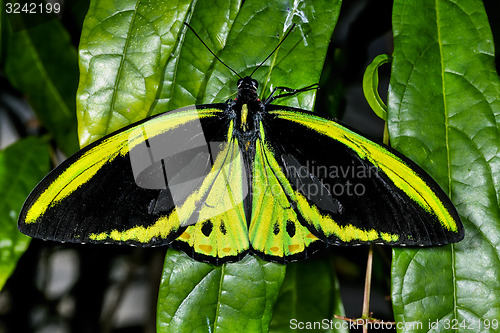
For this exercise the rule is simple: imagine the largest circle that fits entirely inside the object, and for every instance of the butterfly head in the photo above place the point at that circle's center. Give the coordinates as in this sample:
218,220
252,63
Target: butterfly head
247,91
248,84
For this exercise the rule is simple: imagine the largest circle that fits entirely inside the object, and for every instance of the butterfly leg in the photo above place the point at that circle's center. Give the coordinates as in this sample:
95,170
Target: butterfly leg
288,92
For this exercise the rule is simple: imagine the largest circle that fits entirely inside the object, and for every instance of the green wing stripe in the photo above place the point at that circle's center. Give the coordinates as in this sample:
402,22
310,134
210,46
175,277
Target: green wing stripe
395,168
274,229
90,162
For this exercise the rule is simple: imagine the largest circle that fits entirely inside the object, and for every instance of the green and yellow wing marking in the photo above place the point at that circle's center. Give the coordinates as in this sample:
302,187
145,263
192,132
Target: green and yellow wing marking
220,232
275,233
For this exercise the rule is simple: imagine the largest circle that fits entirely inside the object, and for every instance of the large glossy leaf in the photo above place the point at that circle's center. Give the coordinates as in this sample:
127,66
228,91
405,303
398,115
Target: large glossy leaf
124,48
22,165
41,62
198,297
309,296
444,113
138,59
216,83
245,43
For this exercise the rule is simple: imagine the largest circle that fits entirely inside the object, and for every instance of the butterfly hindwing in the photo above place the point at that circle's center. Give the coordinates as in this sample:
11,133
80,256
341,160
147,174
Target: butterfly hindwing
220,232
134,186
346,189
275,232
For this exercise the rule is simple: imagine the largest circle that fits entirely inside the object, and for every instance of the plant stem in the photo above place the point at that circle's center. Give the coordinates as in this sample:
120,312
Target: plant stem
368,282
369,262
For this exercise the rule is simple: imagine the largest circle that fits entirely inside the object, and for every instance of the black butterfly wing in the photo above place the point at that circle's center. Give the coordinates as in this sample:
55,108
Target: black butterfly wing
144,185
346,189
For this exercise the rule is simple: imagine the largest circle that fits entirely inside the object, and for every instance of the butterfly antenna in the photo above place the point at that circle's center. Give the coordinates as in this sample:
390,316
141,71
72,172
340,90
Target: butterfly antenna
276,48
216,57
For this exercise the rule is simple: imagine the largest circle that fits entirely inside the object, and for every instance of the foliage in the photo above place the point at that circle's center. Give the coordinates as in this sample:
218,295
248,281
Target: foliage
22,165
444,114
137,59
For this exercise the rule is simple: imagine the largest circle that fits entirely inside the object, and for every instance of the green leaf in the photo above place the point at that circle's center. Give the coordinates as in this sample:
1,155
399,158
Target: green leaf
206,80
41,62
187,72
198,297
22,166
137,60
244,44
444,113
124,48
370,86
310,294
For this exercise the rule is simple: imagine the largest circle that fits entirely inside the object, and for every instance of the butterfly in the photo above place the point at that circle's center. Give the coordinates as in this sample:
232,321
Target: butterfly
221,180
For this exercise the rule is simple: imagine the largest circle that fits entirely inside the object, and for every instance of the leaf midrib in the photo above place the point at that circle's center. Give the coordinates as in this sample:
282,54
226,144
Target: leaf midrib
219,296
48,80
120,68
447,146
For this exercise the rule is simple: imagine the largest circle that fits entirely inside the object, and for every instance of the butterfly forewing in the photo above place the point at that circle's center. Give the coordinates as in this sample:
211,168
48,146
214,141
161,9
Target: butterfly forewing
347,189
129,186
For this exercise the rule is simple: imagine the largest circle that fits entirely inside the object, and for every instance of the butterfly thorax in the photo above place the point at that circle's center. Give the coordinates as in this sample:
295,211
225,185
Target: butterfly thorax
248,110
